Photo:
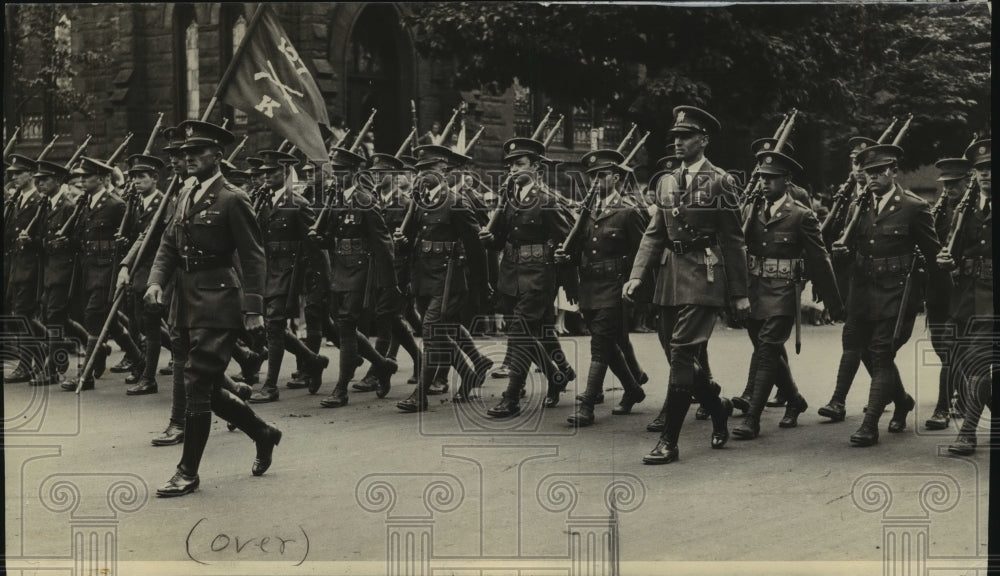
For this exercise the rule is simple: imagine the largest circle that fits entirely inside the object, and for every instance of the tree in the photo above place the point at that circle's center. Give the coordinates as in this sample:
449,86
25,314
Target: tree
41,64
847,68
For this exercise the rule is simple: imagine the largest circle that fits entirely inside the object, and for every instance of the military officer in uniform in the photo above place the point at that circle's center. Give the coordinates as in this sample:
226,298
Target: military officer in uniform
783,240
144,171
213,223
442,233
360,250
954,179
22,250
890,224
610,235
284,219
972,309
696,239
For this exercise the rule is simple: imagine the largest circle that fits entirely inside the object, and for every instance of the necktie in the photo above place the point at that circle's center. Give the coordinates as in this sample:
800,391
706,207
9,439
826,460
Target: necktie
986,208
684,178
767,212
191,197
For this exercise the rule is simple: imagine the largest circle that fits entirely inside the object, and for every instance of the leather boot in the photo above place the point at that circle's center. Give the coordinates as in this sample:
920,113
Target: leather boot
977,396
88,383
275,353
510,404
675,410
249,362
196,430
417,401
760,390
585,408
131,351
797,405
634,394
314,363
661,418
867,434
229,407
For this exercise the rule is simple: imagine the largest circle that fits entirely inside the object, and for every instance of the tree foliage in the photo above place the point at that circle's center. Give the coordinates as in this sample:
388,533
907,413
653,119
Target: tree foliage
847,68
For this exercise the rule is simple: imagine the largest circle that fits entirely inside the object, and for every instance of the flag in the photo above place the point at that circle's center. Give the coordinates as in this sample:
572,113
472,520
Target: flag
267,79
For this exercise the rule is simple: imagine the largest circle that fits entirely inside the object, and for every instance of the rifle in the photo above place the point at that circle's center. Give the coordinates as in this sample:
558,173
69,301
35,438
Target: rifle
961,210
363,131
587,205
9,146
451,123
861,203
552,132
281,147
153,135
413,121
79,152
902,131
751,186
47,149
114,157
541,125
406,143
841,200
797,282
238,149
753,193
343,139
621,146
474,140
888,130
119,295
940,208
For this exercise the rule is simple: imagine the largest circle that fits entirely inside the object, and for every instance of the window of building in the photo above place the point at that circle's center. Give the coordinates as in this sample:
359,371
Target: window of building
193,97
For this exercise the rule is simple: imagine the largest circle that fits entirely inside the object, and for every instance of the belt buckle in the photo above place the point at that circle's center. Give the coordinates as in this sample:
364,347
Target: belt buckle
187,262
678,247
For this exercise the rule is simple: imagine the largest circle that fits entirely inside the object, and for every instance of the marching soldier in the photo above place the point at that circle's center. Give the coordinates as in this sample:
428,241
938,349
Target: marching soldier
954,179
972,310
533,220
783,240
144,171
442,233
57,271
284,219
611,234
361,263
22,250
888,227
697,240
213,220
388,172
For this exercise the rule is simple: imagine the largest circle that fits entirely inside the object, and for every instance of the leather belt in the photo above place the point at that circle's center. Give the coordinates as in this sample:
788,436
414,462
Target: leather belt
891,266
205,262
348,246
785,268
527,252
286,247
614,268
98,247
979,268
686,246
440,248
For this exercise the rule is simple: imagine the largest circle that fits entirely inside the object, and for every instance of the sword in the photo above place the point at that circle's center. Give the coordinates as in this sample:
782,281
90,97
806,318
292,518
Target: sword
902,305
447,281
798,309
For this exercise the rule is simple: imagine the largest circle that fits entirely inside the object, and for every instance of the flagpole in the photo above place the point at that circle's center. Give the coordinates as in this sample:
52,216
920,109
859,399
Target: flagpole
231,69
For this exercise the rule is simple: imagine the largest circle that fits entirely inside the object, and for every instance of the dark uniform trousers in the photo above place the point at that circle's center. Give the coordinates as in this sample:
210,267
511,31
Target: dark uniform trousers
696,239
884,255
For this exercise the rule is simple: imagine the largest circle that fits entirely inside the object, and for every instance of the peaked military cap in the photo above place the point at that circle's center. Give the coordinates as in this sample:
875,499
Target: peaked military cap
670,162
409,162
46,168
691,119
91,166
879,155
275,160
599,160
381,161
174,139
978,153
770,162
953,169
858,144
199,134
432,153
344,159
233,174
144,163
768,144
20,163
517,147
254,163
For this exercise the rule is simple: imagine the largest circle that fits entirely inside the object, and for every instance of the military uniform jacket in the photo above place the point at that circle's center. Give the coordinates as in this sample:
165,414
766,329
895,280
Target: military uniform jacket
708,207
528,231
938,292
973,291
883,245
57,262
140,220
609,241
24,258
221,227
284,227
94,238
443,229
774,249
357,240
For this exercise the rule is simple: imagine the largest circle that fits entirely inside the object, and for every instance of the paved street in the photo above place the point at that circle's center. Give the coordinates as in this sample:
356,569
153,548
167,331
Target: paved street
466,493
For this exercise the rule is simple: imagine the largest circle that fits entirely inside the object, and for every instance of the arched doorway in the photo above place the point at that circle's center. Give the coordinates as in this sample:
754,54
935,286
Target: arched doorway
379,71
